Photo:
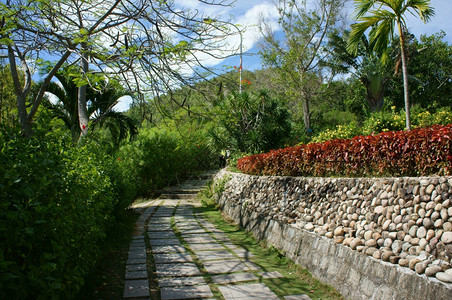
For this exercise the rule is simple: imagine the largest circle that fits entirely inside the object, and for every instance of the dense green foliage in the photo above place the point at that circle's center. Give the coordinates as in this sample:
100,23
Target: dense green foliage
57,203
250,123
159,157
64,188
386,121
101,110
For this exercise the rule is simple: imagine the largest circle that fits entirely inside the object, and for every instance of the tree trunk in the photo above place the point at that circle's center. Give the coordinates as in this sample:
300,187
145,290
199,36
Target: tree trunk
405,78
307,116
21,92
82,109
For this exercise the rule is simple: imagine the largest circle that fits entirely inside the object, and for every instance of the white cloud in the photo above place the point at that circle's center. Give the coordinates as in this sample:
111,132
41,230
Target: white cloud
251,19
247,23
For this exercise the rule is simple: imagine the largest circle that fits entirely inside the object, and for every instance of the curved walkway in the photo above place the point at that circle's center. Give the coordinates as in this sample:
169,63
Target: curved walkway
188,256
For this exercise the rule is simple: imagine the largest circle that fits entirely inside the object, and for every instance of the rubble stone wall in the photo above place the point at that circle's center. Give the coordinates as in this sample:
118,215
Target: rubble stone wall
370,238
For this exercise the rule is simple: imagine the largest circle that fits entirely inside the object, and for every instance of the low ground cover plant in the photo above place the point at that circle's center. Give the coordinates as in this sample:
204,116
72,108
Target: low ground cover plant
419,152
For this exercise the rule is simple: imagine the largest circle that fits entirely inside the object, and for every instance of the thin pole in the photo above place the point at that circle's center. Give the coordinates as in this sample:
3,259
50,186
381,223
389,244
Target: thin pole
241,61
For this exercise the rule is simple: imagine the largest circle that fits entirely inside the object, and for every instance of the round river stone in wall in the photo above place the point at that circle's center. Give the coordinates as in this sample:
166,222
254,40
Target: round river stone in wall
371,243
447,226
413,230
446,238
432,270
444,277
429,189
397,246
355,243
421,232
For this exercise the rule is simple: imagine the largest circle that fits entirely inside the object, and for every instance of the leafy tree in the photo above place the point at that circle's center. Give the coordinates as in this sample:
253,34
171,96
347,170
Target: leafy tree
151,46
8,106
299,57
383,17
430,69
250,122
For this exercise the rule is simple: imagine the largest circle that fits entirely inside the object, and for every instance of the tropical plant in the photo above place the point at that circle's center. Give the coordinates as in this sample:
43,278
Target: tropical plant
364,64
250,122
429,69
384,17
100,110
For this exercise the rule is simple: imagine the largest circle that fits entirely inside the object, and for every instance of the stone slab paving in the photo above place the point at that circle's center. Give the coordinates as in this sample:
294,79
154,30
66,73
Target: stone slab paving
177,269
234,278
137,267
272,274
162,235
181,281
133,261
225,266
160,242
172,258
221,237
189,232
159,229
136,288
186,292
168,249
143,274
214,255
178,276
207,246
137,252
200,239
243,253
247,291
233,246
252,265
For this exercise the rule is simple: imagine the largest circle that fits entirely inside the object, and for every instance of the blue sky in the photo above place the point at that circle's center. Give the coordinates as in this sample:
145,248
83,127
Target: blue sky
248,10
246,14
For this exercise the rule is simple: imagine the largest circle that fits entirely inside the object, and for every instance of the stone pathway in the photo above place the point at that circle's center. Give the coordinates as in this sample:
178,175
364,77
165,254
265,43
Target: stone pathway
191,256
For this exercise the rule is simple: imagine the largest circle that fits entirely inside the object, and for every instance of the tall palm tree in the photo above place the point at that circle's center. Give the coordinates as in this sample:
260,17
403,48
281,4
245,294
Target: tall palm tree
383,17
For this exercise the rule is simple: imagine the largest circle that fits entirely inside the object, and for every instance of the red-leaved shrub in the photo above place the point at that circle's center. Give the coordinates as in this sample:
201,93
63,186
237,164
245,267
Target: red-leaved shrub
419,152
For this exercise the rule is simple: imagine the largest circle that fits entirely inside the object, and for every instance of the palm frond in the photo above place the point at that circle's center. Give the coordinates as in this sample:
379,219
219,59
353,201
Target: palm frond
362,7
380,35
421,8
357,32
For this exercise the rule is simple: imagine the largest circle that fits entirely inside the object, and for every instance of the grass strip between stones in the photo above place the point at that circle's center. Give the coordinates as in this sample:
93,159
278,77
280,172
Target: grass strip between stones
296,280
213,287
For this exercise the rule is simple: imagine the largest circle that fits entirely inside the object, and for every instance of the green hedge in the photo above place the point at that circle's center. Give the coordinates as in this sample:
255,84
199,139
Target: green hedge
159,157
56,204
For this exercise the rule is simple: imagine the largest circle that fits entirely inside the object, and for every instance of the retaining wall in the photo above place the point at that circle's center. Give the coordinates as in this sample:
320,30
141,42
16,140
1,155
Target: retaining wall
370,238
